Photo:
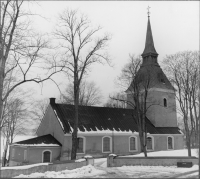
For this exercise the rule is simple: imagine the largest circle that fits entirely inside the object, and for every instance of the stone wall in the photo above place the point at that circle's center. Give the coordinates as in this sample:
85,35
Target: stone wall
149,161
9,173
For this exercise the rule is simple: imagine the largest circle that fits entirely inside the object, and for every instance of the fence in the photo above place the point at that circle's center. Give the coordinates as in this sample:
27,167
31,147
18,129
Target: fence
118,161
9,173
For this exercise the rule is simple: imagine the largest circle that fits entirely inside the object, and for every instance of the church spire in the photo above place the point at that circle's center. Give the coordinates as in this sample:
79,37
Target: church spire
149,45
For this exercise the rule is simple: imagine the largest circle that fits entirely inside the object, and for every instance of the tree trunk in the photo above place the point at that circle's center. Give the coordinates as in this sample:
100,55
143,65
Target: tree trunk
188,142
76,103
2,68
5,154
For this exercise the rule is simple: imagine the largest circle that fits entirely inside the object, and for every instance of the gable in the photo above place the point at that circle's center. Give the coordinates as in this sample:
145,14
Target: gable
51,125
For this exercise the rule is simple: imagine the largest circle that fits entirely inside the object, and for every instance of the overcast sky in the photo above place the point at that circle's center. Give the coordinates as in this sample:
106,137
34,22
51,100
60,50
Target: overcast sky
175,27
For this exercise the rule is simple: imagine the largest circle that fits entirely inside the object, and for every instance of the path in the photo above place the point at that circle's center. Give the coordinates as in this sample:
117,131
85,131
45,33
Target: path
143,172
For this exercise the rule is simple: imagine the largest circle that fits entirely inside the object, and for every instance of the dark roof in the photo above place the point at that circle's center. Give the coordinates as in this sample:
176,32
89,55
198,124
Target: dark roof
92,118
150,70
45,139
155,75
149,45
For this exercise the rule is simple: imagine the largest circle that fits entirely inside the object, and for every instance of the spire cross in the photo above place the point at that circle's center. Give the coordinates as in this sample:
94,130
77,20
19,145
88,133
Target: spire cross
148,10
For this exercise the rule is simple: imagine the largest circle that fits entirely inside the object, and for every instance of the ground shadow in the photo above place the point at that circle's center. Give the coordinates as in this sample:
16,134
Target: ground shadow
186,173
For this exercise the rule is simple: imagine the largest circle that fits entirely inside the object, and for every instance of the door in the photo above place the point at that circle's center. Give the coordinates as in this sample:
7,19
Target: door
46,156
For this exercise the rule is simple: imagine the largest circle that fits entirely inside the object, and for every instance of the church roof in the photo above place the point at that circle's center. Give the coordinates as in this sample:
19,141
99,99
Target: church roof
103,118
150,70
149,45
42,141
154,75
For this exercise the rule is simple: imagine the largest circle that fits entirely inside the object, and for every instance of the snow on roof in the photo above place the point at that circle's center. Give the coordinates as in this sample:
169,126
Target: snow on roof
59,119
114,132
180,131
37,145
45,140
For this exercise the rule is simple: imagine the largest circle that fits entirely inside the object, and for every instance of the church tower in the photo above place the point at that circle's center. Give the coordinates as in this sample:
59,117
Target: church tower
161,101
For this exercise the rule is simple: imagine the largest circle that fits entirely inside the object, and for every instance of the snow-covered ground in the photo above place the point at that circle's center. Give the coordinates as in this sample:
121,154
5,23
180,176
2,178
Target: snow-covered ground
182,152
100,170
85,171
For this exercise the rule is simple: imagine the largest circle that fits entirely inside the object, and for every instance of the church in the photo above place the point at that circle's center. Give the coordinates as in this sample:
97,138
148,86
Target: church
104,130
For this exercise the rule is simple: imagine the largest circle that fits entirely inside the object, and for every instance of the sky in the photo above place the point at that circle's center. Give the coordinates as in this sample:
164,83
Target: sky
174,24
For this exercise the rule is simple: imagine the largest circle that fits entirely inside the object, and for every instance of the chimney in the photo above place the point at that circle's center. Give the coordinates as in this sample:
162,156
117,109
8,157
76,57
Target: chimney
52,100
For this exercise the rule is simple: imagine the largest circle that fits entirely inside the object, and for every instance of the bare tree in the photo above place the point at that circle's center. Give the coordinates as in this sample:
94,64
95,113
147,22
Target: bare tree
89,94
182,69
138,81
116,103
37,111
81,50
24,54
15,115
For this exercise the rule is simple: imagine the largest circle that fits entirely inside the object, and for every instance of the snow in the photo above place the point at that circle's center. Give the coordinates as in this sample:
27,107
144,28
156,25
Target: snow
89,171
59,120
104,132
112,155
107,132
88,156
39,145
100,169
24,166
80,160
70,127
158,171
182,152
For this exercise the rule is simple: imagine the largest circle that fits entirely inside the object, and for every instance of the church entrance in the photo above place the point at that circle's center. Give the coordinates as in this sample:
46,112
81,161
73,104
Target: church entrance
46,156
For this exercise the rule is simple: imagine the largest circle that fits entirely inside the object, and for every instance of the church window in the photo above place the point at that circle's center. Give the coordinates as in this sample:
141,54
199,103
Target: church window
132,143
149,143
106,144
13,152
80,148
161,78
25,155
165,102
170,143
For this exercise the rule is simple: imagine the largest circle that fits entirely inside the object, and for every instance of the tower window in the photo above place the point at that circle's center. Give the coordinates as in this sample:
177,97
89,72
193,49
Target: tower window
165,102
162,80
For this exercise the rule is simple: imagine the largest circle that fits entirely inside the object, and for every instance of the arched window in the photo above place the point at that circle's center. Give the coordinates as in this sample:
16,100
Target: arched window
106,144
46,156
170,143
132,143
25,155
165,102
13,152
80,148
150,143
